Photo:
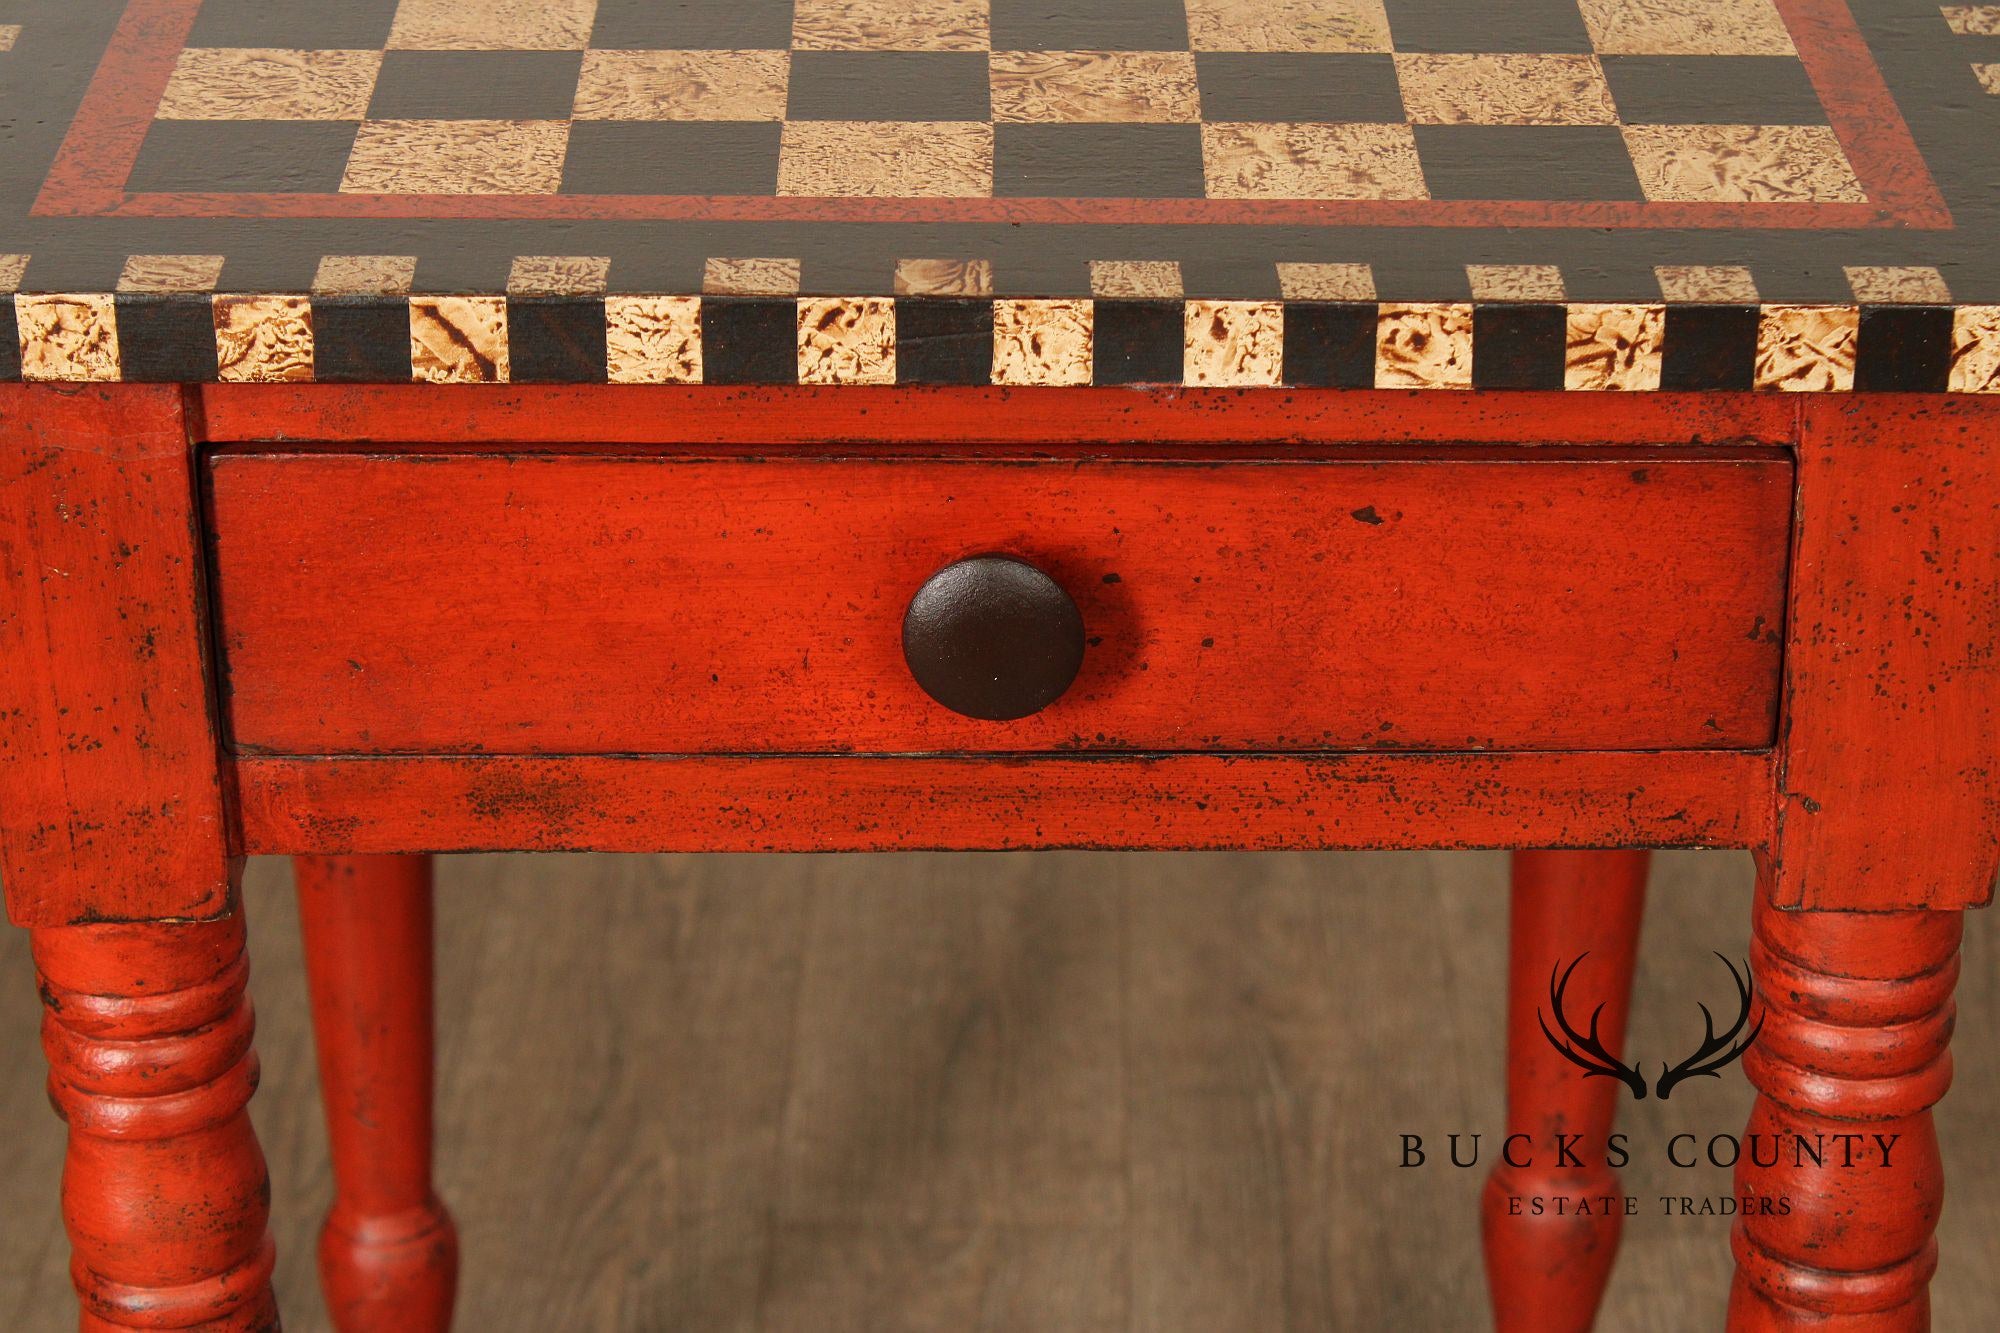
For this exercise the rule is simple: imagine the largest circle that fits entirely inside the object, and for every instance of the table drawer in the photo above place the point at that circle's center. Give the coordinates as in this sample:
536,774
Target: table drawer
588,603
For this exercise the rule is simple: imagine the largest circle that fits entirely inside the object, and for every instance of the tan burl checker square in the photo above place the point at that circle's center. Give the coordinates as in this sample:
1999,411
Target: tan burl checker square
1333,26
1233,344
1707,284
847,340
652,339
1614,348
1808,348
750,277
683,85
1071,87
944,277
1158,279
1326,282
1743,164
171,273
457,157
264,84
559,275
1505,89
492,25
1687,27
1423,346
886,159
891,25
1975,349
365,275
1515,282
459,340
1886,284
68,337
1973,20
1257,160
1043,342
263,339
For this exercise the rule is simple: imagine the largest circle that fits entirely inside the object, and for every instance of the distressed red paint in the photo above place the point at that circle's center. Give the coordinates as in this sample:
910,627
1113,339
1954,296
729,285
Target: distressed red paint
1873,796
1857,1040
1547,1273
388,1254
755,606
165,1194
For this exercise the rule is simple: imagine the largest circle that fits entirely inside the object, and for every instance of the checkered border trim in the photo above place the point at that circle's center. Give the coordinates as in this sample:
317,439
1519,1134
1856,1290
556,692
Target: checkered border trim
933,340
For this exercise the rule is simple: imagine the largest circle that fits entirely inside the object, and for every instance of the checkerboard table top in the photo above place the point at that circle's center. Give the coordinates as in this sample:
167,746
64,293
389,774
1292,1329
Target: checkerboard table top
1787,194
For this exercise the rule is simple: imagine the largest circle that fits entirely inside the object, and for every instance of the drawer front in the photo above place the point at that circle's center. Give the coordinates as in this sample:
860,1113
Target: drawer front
598,604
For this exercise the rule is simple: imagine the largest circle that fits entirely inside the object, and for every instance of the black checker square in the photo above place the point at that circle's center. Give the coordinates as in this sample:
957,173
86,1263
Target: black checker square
476,85
556,339
1330,344
1712,90
1138,342
1709,347
300,25
361,339
1527,162
166,338
10,343
944,340
1904,349
244,156
889,85
1101,25
1098,161
749,340
1518,346
1299,86
1488,25
672,157
692,25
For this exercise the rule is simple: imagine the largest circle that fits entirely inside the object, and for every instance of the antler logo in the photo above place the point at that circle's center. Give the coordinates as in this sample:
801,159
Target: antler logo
1587,1051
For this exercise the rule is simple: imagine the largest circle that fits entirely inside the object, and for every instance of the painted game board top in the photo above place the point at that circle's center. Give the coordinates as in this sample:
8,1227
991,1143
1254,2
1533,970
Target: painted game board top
1787,194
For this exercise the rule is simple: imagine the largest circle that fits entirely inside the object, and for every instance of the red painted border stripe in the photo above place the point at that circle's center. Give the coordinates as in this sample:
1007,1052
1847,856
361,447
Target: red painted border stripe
1863,112
1220,212
103,144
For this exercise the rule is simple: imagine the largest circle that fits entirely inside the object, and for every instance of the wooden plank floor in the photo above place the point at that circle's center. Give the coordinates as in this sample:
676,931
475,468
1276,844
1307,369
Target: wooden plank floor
1011,1092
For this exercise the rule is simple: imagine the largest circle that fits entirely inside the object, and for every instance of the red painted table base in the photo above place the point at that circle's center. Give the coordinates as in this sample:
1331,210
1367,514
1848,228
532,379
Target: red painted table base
165,1194
1548,1273
1854,1051
127,807
388,1254
166,1198
1857,1043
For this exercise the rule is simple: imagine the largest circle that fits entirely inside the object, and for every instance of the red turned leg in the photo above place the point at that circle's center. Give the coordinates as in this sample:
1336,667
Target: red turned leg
388,1254
1853,1055
164,1189
1547,1272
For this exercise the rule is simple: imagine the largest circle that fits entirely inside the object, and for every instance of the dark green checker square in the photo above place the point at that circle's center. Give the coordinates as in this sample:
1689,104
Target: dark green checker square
244,156
1098,161
1291,86
476,85
889,85
672,157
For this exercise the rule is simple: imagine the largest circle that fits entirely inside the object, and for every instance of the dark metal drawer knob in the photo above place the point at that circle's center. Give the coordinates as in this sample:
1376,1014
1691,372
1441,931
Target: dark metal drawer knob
993,637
